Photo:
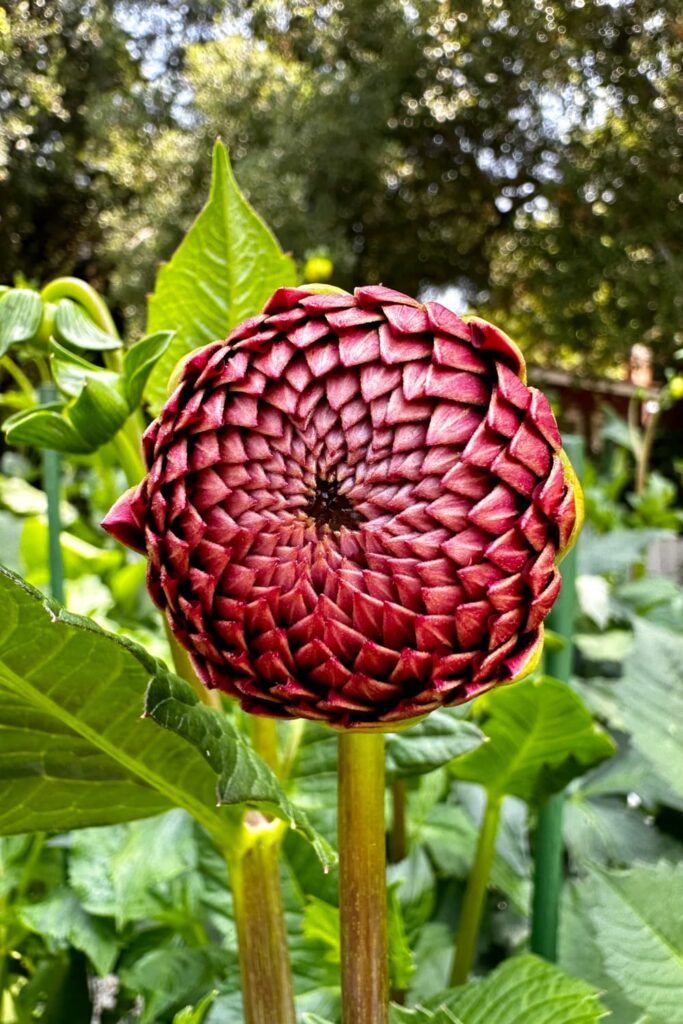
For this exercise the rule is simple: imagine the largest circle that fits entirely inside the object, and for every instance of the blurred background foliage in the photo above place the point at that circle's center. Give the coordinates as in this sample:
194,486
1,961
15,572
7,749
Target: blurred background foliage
528,155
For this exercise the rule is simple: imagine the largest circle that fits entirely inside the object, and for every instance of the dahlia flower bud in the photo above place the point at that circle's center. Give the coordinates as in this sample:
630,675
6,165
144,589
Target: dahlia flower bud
354,509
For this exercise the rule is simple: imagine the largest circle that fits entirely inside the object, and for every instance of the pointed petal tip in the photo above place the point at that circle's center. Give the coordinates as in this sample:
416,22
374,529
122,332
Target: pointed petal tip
122,523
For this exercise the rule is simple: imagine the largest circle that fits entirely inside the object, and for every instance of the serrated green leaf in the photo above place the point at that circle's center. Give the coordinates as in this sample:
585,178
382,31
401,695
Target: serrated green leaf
99,411
224,270
74,327
45,427
74,750
651,699
525,990
607,831
139,361
636,916
20,314
541,735
242,777
430,744
62,918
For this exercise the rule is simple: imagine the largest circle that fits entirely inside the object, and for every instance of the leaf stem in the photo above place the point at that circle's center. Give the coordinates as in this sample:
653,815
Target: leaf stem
362,878
264,739
18,376
254,872
86,296
475,893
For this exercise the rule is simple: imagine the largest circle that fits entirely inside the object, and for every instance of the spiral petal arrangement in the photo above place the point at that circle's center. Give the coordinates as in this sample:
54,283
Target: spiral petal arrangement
354,509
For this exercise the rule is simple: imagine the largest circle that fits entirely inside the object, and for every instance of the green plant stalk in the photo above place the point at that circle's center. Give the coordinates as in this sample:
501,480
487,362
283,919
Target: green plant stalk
17,375
51,472
362,878
264,739
254,872
548,846
398,846
475,893
86,296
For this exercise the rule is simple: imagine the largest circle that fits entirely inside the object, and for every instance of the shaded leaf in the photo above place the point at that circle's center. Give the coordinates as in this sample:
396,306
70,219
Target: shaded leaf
430,744
45,427
224,270
639,932
62,918
21,311
168,978
139,361
74,327
651,699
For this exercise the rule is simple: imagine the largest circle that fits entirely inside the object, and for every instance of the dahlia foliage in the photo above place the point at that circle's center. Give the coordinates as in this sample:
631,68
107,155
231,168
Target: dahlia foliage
354,509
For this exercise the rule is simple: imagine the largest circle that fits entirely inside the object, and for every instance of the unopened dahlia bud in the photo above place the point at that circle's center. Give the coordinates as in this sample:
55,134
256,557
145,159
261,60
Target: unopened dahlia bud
354,509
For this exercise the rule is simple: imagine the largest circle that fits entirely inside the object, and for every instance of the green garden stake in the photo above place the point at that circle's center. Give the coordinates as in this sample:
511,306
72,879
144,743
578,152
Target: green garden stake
549,846
51,485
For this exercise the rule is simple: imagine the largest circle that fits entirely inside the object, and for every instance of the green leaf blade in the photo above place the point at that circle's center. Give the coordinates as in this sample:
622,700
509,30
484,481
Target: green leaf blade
540,735
73,327
224,270
20,314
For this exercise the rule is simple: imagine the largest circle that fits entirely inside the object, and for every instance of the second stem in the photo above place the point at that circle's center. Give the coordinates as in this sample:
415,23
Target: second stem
475,893
362,879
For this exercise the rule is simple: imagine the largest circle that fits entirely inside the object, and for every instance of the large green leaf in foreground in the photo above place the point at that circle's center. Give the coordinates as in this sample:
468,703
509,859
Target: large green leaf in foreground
639,932
541,736
74,750
224,270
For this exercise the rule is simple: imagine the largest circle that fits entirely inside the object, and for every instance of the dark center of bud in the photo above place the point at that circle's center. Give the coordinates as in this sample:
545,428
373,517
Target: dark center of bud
327,507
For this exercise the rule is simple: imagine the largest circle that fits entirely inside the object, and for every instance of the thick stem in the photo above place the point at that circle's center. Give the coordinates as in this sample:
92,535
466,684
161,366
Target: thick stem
398,845
259,918
185,669
475,893
362,879
547,878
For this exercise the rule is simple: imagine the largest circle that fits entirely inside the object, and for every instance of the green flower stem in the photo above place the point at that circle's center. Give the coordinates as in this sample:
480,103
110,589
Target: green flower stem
475,893
254,870
129,455
362,878
18,376
398,846
51,473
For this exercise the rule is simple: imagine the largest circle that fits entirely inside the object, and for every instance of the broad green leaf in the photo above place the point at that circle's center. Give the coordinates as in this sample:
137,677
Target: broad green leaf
74,750
612,645
45,427
224,270
420,1015
21,311
79,556
99,411
71,372
62,918
400,957
616,551
74,327
638,926
525,990
541,736
430,744
124,871
140,360
578,952
23,499
242,777
171,978
651,695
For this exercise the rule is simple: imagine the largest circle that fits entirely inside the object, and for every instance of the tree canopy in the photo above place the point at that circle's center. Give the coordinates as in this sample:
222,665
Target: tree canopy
529,154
